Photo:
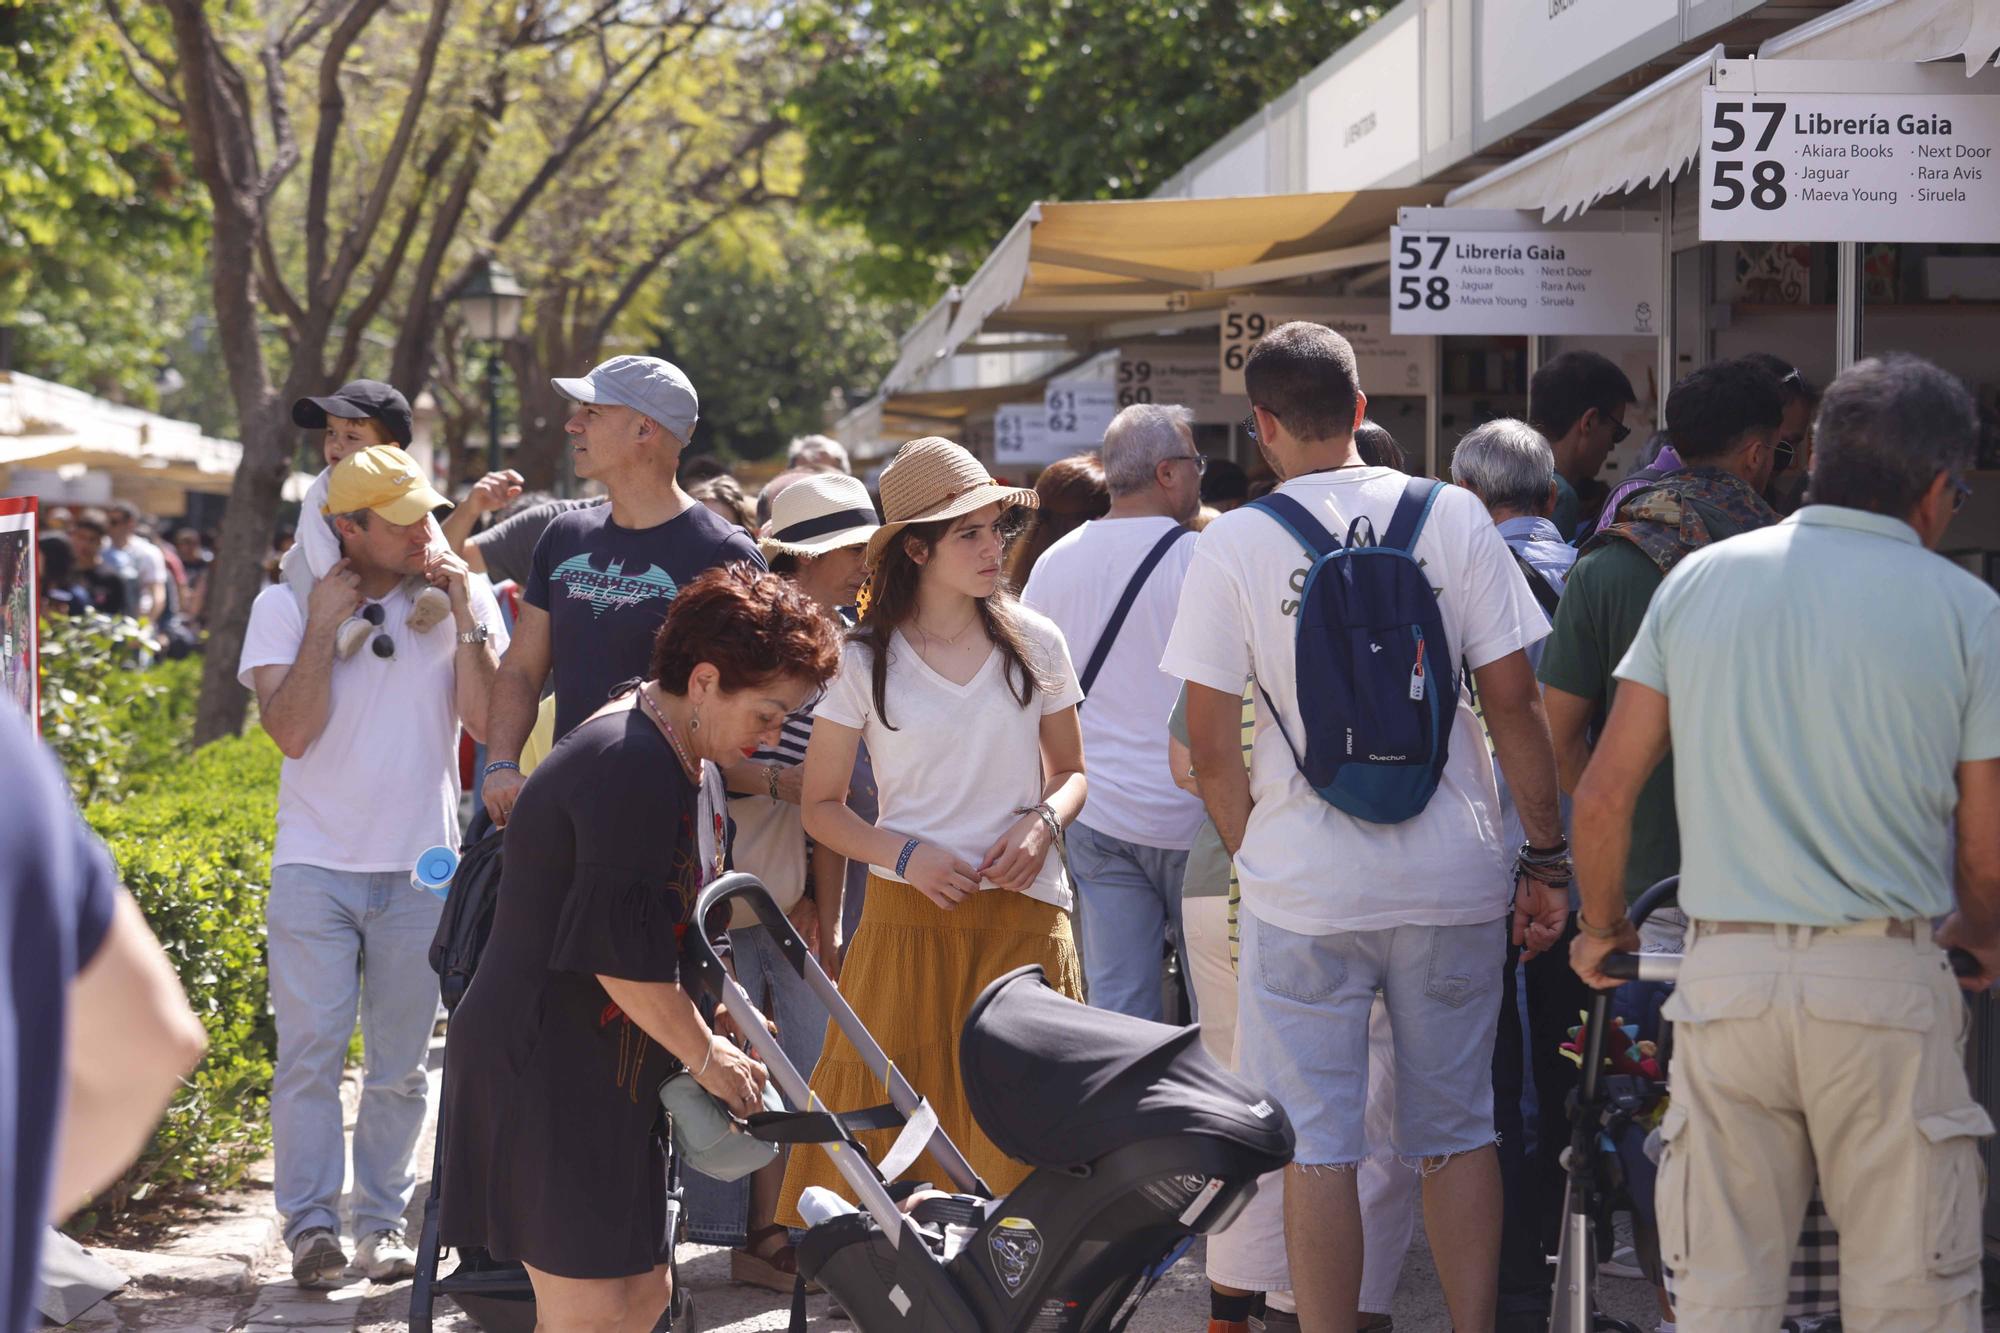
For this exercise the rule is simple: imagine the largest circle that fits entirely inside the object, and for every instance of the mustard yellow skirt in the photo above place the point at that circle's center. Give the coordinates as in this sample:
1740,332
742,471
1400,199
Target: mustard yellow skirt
912,974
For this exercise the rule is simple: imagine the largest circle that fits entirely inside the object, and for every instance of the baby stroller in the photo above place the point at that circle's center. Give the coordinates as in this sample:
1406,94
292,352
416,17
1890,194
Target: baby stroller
1139,1143
1606,1107
497,1296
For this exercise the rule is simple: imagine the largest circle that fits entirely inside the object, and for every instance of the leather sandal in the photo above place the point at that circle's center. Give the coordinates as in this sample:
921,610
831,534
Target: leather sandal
776,1271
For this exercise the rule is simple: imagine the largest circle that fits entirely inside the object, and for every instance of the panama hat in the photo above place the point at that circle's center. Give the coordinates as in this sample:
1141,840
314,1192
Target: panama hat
817,514
933,479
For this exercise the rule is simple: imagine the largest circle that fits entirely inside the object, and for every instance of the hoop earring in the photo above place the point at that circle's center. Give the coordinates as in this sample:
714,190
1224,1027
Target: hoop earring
694,722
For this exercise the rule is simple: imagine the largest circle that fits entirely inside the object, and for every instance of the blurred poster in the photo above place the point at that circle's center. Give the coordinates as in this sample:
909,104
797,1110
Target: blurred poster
20,656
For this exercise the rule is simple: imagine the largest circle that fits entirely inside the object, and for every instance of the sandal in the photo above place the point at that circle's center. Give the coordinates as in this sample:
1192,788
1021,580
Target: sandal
776,1271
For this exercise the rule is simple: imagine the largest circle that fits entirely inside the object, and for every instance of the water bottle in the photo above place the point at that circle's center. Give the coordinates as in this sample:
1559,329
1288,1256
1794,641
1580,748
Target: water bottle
819,1204
434,870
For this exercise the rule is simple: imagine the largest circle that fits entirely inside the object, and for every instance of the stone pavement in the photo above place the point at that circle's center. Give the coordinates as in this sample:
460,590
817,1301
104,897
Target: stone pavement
230,1274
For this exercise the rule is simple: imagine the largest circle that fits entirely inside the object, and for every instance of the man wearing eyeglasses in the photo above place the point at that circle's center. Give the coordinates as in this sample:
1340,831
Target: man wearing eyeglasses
1129,849
1578,402
370,781
1832,692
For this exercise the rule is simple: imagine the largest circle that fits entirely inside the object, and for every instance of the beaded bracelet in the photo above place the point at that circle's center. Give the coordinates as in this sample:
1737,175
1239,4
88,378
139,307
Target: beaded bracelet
500,766
903,861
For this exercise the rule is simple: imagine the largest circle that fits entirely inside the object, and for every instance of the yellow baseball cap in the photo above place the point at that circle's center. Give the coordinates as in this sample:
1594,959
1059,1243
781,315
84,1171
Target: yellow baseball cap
386,481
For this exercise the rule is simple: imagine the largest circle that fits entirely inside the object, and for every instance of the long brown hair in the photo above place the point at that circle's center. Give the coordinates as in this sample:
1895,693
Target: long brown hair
1073,491
892,599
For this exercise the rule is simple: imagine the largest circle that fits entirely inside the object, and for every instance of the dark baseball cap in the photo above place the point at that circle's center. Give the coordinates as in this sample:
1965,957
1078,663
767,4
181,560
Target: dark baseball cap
355,400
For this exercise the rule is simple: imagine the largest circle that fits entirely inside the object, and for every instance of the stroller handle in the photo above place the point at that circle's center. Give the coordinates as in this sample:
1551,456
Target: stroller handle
728,889
1643,966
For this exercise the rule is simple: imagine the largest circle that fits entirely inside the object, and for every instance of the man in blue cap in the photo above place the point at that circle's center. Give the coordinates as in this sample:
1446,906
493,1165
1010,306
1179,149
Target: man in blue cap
603,577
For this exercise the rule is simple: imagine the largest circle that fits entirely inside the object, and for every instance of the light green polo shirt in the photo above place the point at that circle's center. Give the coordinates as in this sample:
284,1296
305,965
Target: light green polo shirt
1825,677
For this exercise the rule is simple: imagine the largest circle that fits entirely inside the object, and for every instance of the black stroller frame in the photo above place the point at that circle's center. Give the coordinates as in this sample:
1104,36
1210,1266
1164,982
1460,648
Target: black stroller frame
1073,1249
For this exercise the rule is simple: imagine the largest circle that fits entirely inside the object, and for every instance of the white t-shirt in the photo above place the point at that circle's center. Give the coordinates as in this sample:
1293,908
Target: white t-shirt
1304,865
1077,584
380,783
151,563
962,758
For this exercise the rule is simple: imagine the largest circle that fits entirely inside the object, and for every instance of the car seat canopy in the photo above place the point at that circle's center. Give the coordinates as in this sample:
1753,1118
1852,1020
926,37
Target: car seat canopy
1058,1084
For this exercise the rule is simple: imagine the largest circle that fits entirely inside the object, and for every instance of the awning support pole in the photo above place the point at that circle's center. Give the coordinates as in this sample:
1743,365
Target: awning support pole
1847,287
1669,290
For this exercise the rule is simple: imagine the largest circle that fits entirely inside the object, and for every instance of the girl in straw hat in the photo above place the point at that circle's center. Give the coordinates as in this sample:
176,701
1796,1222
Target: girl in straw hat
967,703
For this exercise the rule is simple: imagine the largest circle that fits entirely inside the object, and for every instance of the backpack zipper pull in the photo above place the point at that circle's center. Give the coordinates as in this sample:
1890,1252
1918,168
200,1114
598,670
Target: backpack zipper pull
1417,673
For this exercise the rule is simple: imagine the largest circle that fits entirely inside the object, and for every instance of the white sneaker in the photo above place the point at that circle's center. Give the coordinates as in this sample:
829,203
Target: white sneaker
384,1256
317,1259
1624,1263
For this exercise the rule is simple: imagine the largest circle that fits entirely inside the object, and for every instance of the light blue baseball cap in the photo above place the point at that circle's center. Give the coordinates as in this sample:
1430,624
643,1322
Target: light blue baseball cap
643,383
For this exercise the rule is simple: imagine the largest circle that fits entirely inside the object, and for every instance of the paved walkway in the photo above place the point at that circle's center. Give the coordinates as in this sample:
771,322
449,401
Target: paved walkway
230,1274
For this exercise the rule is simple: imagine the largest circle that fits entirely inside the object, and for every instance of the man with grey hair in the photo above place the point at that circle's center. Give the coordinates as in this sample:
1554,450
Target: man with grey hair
818,453
1828,817
1510,467
1112,586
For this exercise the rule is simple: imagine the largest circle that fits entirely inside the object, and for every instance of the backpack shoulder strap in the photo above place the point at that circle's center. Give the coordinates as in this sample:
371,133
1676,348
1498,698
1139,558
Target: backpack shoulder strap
1295,519
1412,512
1124,607
1543,590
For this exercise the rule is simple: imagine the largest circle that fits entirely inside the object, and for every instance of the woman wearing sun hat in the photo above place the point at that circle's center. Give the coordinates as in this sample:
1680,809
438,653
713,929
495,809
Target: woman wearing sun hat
967,703
817,538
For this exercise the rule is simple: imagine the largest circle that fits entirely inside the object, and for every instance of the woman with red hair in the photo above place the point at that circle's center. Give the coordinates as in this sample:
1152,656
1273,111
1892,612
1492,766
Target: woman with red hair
576,1014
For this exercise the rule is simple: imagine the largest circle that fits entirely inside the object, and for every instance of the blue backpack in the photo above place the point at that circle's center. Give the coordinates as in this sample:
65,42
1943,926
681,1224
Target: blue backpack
1378,685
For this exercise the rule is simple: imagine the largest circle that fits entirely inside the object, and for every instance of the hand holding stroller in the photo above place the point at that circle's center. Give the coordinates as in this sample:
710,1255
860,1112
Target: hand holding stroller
1140,1143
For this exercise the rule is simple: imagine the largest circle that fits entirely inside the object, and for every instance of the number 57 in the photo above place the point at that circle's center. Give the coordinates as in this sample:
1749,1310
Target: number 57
1727,120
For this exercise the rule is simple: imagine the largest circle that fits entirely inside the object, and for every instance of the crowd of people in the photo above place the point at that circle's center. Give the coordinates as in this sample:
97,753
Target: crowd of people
1323,735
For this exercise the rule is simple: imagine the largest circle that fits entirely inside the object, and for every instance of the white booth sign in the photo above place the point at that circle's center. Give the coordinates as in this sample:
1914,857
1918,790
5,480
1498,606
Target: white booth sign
1390,366
1021,436
1183,375
1498,272
1078,412
1821,151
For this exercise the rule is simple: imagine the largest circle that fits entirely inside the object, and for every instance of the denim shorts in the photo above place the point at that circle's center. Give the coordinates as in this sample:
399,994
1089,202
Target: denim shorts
1302,1032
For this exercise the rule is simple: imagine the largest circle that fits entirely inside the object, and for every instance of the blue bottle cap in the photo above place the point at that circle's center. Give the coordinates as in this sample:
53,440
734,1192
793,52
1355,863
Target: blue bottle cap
435,868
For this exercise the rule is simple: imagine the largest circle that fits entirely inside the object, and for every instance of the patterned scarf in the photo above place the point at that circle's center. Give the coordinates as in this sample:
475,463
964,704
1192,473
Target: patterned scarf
1678,515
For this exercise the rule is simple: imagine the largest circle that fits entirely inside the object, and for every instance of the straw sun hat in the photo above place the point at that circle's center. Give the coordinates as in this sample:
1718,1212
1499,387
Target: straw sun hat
817,514
932,479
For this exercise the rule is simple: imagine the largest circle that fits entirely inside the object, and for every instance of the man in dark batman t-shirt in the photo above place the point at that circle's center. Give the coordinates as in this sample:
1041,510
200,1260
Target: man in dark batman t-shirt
603,577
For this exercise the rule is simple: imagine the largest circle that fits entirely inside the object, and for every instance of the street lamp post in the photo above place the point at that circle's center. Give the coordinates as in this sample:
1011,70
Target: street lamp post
492,302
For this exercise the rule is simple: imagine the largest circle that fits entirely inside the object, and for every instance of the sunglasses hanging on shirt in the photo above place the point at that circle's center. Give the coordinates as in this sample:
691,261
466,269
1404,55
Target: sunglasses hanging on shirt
381,645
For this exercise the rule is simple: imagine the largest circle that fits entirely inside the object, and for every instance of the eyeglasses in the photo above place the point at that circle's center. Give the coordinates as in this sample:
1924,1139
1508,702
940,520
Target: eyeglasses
1960,493
1249,424
1200,462
1620,433
381,645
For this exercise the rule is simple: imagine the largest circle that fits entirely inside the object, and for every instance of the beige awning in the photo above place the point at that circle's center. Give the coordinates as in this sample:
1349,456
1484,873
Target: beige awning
1065,267
1648,138
1897,30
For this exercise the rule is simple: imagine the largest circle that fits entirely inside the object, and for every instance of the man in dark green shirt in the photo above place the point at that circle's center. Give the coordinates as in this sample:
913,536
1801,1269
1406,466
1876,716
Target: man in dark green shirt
1723,420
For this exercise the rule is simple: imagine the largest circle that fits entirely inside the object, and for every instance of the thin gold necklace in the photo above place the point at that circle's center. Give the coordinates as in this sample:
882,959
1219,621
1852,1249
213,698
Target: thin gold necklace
688,766
951,641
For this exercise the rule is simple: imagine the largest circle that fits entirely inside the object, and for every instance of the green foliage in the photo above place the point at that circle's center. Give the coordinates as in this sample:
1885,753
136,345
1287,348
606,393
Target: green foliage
101,237
195,851
935,123
190,833
770,324
112,727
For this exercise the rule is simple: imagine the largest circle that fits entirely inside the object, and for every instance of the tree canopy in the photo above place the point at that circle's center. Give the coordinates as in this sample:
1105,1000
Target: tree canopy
935,123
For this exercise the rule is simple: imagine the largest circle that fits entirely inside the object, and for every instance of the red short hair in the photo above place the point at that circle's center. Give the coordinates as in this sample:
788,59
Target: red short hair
752,626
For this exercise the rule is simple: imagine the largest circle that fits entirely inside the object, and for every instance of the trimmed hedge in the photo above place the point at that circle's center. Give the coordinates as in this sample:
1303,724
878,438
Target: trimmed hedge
191,834
194,849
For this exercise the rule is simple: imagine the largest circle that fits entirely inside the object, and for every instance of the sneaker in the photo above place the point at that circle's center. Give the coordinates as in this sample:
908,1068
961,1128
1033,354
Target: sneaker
384,1256
317,1259
1624,1263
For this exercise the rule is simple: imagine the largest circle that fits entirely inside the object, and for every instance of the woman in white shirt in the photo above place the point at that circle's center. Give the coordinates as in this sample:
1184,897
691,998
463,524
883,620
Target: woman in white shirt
967,703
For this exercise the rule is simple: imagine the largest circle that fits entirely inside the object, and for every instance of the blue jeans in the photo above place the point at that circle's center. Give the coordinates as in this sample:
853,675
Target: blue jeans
1128,903
718,1211
342,940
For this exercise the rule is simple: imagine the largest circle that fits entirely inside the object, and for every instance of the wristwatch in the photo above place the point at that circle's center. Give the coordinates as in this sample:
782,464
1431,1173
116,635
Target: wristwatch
477,634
